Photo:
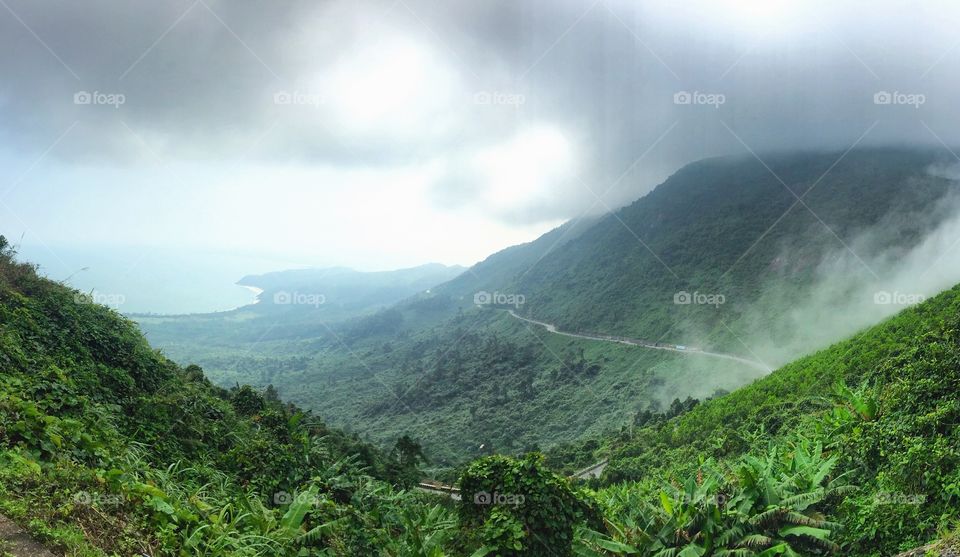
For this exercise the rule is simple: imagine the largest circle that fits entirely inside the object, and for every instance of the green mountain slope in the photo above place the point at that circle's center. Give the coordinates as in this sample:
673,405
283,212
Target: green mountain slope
733,226
723,226
109,448
884,405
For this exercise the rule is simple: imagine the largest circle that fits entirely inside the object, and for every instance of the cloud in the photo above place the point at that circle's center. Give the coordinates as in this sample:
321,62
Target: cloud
388,85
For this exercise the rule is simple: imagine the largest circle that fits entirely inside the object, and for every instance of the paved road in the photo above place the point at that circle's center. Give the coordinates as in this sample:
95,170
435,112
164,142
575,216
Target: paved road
595,470
437,488
642,343
592,471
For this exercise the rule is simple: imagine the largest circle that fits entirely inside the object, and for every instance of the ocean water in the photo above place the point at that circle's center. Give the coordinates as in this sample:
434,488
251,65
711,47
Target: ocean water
153,280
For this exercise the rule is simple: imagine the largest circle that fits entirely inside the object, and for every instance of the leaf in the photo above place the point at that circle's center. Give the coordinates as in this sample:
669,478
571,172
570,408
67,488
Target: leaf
692,551
293,518
817,533
665,501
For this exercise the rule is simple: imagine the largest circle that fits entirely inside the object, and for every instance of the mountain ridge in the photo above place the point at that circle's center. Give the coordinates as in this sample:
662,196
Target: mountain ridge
434,361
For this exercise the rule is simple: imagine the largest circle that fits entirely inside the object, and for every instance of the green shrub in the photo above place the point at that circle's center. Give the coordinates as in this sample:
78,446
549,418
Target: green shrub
518,507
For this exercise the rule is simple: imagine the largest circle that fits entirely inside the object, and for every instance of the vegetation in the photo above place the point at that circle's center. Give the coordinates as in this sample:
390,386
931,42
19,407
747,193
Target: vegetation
517,507
891,442
457,377
107,447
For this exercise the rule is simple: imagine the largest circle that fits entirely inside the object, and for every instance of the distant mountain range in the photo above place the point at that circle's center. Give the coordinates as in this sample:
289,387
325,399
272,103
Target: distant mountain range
339,289
298,303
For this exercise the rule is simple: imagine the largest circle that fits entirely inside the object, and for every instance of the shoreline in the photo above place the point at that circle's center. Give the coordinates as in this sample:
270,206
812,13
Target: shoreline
256,292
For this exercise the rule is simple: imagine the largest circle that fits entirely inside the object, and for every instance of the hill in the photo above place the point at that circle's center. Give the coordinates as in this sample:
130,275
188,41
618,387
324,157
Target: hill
784,277
345,291
109,448
294,304
881,408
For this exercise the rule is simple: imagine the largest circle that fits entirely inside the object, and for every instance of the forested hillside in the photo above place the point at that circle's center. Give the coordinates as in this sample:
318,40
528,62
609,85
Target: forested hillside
107,448
734,227
785,277
876,416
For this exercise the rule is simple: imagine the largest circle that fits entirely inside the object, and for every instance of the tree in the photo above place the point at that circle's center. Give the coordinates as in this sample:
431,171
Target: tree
518,507
408,452
405,458
271,397
247,401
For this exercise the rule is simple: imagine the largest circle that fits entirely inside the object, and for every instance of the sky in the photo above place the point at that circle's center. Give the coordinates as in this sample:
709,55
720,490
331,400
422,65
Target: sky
385,134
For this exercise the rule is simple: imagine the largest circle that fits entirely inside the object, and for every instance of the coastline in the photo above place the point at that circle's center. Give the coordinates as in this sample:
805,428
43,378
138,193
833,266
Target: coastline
256,292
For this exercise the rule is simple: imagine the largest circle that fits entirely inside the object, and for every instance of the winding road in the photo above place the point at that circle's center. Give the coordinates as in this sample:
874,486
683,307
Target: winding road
453,492
642,343
595,470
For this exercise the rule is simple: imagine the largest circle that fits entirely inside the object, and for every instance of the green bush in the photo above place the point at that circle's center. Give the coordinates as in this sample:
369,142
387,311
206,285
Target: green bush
518,507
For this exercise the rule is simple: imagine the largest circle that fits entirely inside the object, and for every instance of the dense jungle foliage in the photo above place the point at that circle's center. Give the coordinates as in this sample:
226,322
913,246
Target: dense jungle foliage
108,448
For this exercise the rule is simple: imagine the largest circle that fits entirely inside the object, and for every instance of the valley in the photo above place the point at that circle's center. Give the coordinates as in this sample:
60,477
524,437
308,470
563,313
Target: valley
456,376
537,278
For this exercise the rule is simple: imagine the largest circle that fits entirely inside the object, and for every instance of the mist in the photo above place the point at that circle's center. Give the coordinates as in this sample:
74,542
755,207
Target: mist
853,289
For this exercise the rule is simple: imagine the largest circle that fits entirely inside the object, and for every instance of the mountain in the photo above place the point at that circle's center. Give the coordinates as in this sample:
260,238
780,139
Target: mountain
297,303
343,290
735,227
757,261
881,408
108,448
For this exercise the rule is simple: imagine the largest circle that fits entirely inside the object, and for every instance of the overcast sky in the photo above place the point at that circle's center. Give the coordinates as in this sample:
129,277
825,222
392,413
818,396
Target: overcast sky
385,134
